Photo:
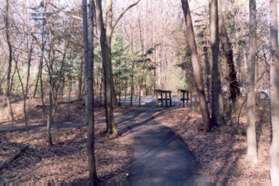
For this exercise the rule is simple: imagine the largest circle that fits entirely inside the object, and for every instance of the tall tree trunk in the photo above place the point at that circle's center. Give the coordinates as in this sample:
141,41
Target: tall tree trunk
89,85
36,82
196,63
50,119
51,89
132,93
251,97
215,74
228,50
101,90
274,151
109,17
10,60
109,32
207,72
108,80
80,80
30,53
24,89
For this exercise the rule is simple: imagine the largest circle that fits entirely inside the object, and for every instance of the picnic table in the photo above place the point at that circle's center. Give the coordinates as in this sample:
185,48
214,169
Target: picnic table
185,96
164,97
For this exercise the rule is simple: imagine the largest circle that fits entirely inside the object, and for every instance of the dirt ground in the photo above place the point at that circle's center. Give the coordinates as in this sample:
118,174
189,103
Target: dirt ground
220,153
66,161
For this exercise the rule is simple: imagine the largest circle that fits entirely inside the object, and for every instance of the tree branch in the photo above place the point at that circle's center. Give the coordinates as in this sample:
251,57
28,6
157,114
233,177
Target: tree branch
123,13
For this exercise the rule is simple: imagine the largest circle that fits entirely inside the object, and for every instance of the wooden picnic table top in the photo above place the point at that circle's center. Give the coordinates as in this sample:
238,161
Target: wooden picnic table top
183,90
163,91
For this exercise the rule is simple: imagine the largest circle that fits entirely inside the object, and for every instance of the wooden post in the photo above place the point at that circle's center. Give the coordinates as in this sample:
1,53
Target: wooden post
170,100
187,97
183,98
162,104
166,98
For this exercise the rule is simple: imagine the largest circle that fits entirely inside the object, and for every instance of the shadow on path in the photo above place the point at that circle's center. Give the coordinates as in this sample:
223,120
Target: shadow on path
161,158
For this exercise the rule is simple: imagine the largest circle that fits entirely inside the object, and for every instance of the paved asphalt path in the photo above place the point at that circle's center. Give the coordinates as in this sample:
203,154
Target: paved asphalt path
161,157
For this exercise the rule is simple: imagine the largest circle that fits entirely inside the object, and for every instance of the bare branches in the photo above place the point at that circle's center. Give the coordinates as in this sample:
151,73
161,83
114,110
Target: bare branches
123,13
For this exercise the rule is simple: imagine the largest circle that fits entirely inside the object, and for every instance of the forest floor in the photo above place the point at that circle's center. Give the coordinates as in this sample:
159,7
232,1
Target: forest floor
220,153
66,160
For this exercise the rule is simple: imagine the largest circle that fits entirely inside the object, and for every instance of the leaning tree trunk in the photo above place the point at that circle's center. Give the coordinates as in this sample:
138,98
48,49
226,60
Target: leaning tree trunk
274,151
251,97
196,63
89,85
108,81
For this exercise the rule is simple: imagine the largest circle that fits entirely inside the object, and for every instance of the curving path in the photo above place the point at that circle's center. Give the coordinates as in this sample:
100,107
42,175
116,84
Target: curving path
160,157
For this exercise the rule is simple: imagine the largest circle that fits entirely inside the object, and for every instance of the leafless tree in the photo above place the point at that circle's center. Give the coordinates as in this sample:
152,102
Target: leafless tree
274,151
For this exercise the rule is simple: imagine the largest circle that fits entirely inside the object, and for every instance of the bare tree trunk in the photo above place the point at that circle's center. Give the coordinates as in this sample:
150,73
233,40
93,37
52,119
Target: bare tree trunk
10,61
38,78
25,89
36,83
50,112
274,151
89,86
215,74
42,90
228,50
207,72
132,84
27,82
251,97
141,78
80,80
196,63
140,93
108,80
109,32
125,91
101,90
51,87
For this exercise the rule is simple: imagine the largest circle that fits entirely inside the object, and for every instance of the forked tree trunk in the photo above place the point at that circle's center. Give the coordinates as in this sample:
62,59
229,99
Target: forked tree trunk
25,89
274,151
89,85
108,80
196,63
251,97
109,32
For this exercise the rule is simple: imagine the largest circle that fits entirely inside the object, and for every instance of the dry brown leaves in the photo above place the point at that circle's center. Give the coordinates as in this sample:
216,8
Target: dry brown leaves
222,152
66,161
